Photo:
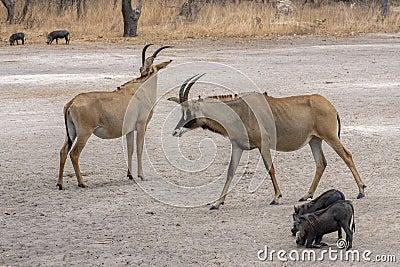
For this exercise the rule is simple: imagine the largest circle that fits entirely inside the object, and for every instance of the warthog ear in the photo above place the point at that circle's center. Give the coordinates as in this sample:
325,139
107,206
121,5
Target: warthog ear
174,99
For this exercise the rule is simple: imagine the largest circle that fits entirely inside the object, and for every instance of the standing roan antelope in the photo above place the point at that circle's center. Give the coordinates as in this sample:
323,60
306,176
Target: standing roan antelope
104,114
246,120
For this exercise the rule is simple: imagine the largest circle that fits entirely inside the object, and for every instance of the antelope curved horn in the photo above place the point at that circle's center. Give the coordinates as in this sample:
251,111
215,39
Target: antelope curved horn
144,53
159,50
182,90
187,89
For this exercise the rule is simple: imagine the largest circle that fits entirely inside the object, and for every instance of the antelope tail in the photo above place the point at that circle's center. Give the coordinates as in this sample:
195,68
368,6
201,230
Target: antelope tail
339,125
66,108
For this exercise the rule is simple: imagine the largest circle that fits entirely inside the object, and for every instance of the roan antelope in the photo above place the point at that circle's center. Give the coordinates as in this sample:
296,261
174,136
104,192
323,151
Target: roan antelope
246,120
103,114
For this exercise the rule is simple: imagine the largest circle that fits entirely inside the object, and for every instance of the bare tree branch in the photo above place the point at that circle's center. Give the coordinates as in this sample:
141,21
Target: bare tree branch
10,6
24,11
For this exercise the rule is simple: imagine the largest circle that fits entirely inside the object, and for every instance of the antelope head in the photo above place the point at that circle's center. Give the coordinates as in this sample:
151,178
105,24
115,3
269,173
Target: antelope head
191,113
147,67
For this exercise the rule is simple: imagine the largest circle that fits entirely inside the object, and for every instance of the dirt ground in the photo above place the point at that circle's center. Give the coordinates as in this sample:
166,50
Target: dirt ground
114,222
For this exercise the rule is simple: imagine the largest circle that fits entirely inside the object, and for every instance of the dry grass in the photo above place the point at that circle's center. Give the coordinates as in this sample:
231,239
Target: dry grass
158,21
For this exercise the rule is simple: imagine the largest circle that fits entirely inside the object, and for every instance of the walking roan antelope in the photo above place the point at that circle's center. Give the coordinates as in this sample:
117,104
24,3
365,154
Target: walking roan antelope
111,115
251,120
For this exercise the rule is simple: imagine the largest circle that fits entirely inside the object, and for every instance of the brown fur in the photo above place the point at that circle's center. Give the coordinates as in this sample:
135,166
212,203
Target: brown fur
103,114
298,120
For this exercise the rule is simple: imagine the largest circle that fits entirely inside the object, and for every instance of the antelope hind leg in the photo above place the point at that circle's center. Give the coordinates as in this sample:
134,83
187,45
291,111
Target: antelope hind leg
63,158
75,153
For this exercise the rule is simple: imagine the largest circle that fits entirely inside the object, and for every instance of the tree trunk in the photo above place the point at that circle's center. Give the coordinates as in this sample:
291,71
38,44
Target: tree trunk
10,5
131,17
80,7
24,11
385,9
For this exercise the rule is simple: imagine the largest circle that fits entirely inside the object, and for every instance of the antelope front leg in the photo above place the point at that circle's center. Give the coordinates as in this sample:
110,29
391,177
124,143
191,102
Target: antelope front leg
320,161
235,159
266,156
141,130
129,148
278,193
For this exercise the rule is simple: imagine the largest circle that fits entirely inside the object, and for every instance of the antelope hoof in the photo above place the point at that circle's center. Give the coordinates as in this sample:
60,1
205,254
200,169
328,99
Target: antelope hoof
273,202
141,177
216,206
60,187
82,185
305,198
360,195
130,176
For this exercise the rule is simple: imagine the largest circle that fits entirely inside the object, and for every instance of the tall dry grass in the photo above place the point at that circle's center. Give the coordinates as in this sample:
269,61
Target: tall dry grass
159,21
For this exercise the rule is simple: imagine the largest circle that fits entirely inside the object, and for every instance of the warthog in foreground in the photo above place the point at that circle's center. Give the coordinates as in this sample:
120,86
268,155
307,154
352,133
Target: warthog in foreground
17,36
312,226
321,202
58,35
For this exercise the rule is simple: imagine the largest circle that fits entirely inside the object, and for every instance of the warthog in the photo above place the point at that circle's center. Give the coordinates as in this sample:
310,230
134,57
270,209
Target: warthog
58,35
326,199
17,36
312,226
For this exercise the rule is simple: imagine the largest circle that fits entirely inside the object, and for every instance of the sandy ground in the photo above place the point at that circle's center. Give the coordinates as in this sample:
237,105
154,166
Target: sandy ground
115,222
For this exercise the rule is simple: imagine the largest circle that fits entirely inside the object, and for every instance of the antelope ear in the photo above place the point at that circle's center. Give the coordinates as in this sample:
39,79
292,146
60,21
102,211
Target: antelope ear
174,99
161,65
